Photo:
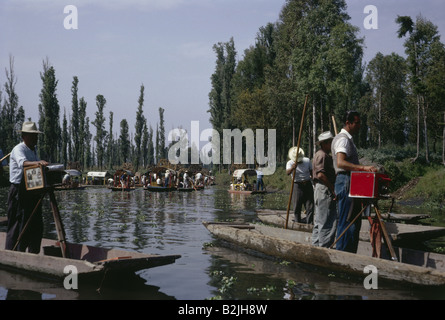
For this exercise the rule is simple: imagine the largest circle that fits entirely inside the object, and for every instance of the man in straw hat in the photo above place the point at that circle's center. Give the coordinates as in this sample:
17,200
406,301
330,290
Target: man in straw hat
345,158
21,202
303,192
325,208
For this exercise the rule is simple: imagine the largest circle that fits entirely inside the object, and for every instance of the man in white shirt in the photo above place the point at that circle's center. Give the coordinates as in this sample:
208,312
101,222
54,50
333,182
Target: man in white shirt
345,158
303,192
21,202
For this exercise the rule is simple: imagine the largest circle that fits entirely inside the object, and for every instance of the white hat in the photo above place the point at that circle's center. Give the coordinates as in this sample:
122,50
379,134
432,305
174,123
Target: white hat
327,135
29,127
293,154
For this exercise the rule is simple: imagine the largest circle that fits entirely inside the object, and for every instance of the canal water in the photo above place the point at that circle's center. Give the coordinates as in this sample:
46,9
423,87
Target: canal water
171,224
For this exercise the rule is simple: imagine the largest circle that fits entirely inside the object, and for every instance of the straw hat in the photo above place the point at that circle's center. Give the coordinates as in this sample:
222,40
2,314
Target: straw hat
293,154
29,127
327,135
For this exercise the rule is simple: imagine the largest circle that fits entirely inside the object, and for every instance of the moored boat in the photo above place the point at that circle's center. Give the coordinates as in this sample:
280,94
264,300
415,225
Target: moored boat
88,260
415,267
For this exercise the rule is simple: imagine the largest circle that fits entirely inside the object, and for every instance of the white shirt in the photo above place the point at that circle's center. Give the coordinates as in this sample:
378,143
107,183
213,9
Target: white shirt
19,155
303,170
340,145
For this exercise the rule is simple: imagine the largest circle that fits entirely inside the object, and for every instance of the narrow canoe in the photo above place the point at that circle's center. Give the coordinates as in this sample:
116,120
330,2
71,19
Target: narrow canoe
122,189
399,232
90,261
160,189
420,268
247,192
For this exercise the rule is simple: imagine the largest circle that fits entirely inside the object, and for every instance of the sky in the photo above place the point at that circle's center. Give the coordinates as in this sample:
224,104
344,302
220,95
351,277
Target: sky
166,45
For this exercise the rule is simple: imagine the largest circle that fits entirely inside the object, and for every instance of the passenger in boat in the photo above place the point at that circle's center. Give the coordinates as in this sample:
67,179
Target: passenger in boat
325,208
21,203
345,158
303,192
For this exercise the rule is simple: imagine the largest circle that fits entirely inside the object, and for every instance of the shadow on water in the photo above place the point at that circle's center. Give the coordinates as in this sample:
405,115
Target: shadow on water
171,223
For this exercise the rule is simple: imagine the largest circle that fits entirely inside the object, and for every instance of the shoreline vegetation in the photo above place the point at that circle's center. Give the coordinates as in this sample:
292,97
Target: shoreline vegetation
414,183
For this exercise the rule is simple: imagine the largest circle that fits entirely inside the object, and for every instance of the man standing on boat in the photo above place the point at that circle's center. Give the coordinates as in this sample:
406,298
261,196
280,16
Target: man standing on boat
21,202
345,156
303,192
325,209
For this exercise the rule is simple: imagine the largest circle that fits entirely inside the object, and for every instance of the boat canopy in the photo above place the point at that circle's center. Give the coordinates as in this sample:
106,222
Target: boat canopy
73,172
244,172
97,174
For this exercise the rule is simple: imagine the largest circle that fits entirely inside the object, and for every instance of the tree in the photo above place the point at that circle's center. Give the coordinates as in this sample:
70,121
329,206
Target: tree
110,143
160,138
386,76
423,39
220,96
75,121
83,132
124,141
10,122
140,121
49,114
65,138
101,133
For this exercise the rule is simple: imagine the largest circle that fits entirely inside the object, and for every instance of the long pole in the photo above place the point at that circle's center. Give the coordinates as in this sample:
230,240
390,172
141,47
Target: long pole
293,172
1,160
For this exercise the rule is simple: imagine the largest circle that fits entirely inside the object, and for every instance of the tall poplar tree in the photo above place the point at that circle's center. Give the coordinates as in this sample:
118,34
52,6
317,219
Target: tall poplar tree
75,121
49,110
140,120
101,133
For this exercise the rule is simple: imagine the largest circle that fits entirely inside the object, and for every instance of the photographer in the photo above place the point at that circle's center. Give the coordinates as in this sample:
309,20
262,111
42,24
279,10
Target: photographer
21,202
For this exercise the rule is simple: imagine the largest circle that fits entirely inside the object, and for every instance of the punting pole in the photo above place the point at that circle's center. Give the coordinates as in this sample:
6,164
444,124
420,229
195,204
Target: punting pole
293,172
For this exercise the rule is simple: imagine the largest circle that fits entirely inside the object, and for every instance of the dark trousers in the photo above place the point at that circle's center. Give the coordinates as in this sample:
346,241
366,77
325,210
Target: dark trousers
303,194
21,204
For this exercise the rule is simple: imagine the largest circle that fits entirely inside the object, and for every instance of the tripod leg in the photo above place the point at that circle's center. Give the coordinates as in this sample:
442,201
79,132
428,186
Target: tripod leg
27,222
58,222
385,234
344,231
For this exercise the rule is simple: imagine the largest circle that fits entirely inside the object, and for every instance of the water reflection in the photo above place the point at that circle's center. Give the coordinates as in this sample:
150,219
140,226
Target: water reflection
171,223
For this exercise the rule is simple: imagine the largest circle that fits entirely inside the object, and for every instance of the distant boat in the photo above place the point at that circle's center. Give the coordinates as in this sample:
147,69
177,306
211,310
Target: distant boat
241,184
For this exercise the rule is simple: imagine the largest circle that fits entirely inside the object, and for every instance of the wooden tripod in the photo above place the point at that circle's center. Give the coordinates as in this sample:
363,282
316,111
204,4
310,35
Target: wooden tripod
382,225
57,220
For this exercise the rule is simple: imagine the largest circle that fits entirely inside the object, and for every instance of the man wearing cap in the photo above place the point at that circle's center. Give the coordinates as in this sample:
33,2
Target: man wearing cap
21,202
345,156
325,209
303,192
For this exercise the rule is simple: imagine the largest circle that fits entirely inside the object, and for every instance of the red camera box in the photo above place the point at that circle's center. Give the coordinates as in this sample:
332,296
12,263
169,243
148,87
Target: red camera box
368,184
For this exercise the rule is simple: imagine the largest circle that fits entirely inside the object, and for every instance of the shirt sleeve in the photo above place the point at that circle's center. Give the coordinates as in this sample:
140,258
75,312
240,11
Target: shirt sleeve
340,145
19,157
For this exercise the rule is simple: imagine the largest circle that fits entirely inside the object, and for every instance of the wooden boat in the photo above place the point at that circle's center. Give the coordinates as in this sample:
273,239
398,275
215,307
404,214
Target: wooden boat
90,261
122,189
415,267
160,188
400,233
240,183
156,182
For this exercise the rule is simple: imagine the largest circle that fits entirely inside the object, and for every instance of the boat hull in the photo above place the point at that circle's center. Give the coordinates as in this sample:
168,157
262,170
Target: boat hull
88,260
294,246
